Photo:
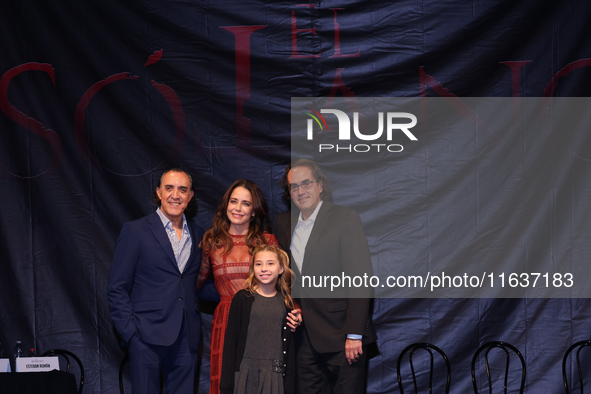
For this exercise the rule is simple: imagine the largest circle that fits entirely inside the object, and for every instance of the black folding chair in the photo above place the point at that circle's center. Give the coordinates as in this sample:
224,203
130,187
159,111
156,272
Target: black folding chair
579,346
66,355
413,348
505,347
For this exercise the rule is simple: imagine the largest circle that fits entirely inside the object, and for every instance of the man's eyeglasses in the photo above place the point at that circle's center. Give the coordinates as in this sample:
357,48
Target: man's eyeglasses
305,185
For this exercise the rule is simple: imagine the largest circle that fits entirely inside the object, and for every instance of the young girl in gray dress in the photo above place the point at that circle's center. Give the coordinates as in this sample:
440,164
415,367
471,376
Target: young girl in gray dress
259,351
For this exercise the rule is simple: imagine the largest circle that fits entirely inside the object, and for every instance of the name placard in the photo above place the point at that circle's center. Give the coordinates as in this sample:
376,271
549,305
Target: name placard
36,364
4,365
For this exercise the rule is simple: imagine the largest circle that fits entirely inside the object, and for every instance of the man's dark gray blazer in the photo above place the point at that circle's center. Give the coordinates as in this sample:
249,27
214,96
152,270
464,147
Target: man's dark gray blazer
337,245
147,292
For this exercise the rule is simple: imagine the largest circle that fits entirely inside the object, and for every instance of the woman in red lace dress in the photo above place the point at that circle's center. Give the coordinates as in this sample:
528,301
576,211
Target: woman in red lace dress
238,227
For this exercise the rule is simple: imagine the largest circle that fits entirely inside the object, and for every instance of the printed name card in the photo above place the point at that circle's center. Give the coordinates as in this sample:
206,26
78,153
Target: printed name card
4,365
36,364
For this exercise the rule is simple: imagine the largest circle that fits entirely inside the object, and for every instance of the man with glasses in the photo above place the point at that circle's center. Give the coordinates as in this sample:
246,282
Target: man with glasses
326,239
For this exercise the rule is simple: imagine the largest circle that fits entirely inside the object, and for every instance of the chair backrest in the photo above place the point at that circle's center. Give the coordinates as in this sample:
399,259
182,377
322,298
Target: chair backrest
121,368
505,347
413,348
579,346
66,354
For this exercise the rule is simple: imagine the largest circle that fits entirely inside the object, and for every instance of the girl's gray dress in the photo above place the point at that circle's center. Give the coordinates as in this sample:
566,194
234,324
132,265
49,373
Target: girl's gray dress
261,369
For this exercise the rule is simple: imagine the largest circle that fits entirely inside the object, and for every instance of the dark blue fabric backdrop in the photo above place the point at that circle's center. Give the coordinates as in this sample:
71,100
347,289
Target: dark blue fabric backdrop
98,97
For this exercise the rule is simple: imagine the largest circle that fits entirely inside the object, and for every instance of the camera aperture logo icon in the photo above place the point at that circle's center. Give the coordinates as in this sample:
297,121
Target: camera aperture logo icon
314,115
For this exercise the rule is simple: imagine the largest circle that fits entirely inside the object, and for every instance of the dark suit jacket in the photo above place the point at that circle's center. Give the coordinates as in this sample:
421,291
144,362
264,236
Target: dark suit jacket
147,293
337,246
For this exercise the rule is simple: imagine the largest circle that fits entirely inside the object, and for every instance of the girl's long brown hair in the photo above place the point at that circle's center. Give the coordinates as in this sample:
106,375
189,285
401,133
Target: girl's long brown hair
219,237
283,283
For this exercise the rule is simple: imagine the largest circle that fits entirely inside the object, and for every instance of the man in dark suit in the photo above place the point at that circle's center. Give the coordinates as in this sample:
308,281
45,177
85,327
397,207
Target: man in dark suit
326,240
152,291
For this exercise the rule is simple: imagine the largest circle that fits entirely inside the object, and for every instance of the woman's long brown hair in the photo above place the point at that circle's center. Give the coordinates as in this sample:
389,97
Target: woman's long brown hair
219,237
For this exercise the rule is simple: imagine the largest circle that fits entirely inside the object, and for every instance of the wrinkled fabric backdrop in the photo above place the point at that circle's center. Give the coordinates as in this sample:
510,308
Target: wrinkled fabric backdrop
98,97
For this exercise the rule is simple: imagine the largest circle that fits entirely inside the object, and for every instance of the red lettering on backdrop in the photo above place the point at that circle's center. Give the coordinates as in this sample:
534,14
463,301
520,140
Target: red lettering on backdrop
294,35
80,114
156,56
463,109
337,39
427,80
169,95
515,75
339,84
515,67
242,52
27,122
551,87
179,117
